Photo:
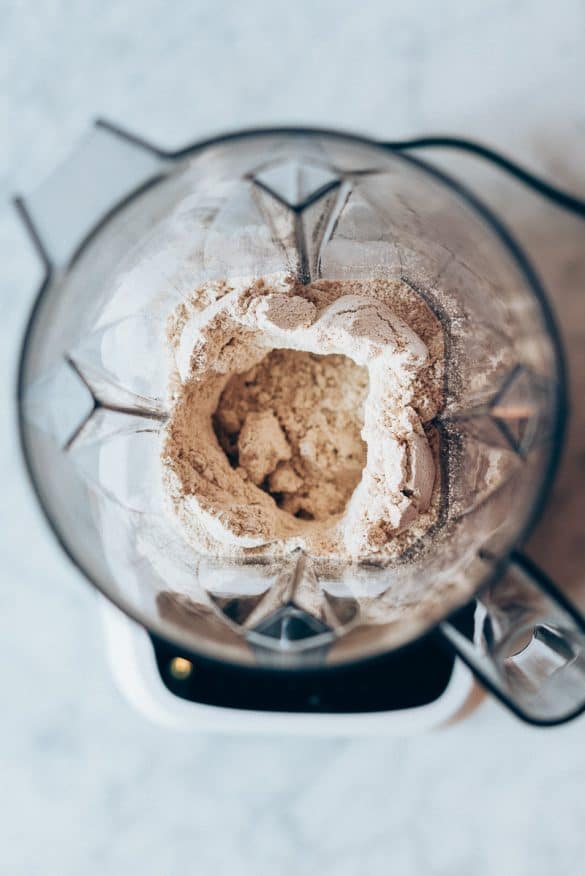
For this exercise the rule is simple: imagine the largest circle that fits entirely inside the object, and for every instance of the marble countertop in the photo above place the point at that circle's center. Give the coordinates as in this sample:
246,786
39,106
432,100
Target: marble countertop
87,784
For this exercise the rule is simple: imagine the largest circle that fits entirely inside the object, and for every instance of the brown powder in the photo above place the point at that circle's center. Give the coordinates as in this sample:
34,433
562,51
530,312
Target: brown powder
264,451
261,444
303,410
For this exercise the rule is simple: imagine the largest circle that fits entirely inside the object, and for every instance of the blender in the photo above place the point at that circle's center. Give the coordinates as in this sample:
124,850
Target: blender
126,232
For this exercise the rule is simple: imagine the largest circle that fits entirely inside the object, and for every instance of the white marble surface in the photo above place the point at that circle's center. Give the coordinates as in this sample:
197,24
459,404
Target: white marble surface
86,785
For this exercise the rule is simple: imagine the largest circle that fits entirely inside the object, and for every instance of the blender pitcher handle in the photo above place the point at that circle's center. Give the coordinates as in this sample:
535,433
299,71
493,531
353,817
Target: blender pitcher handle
562,198
529,645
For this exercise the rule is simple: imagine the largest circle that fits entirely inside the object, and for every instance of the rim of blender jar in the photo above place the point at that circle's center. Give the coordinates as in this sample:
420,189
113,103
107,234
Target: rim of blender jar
493,223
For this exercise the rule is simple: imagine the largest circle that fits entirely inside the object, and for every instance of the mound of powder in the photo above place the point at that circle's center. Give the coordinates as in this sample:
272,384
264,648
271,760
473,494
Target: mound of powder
298,417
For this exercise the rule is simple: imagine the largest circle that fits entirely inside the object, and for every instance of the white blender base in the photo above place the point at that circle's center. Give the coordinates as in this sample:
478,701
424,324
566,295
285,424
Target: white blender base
132,659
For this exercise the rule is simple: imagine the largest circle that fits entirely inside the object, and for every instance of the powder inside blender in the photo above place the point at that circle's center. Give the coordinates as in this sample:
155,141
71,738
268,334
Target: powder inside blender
292,425
300,418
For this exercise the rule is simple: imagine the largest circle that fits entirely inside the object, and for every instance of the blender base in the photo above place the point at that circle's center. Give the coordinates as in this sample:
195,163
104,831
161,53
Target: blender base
141,669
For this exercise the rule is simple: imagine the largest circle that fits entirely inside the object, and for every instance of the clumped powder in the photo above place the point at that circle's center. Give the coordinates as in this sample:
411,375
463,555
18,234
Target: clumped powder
300,417
292,424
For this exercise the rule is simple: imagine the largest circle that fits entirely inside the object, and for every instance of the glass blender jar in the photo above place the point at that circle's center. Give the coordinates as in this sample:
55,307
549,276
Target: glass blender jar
126,232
